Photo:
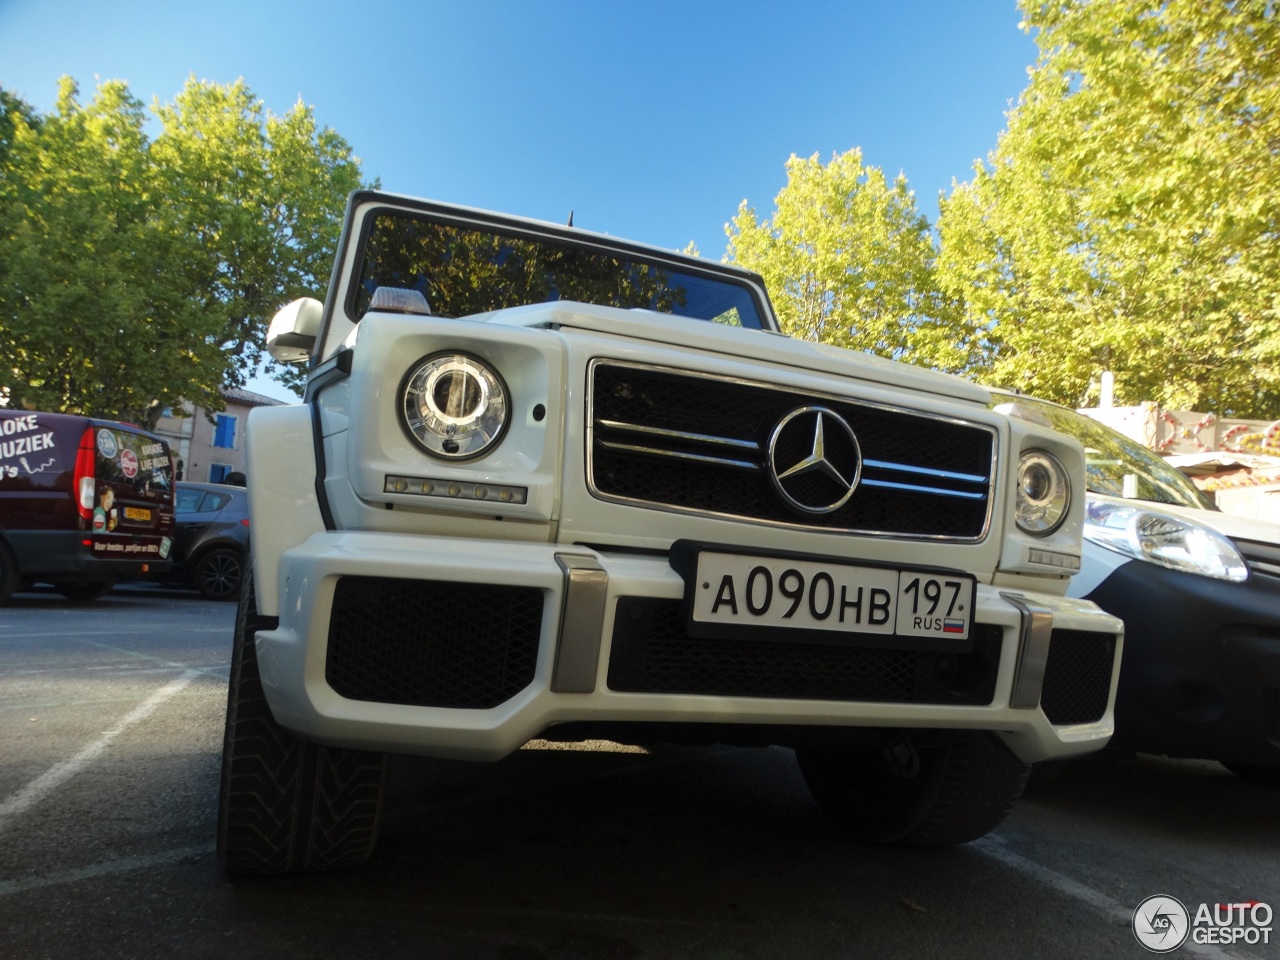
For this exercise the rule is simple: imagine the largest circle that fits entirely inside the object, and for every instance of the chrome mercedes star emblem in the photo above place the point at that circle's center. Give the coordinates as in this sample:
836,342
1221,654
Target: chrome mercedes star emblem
814,460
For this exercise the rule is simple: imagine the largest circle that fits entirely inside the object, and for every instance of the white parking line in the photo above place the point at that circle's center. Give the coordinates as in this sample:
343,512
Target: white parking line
10,887
101,633
217,670
60,773
995,848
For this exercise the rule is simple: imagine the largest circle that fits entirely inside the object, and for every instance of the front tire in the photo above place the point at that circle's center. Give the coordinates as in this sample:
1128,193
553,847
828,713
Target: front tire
286,805
916,788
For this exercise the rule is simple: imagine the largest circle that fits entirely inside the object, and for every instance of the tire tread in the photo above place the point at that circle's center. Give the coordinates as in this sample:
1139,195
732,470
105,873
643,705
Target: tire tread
287,805
966,785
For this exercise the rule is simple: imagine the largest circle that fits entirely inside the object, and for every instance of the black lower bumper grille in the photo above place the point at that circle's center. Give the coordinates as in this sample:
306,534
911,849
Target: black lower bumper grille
1263,558
432,643
1077,676
652,653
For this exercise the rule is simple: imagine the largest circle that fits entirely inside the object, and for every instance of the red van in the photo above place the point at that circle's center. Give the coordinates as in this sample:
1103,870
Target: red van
83,503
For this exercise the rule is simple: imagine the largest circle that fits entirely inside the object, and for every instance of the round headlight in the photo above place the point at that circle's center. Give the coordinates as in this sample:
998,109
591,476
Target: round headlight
1044,493
454,406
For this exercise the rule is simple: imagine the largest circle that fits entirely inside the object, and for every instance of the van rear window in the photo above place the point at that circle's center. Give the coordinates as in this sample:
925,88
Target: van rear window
135,461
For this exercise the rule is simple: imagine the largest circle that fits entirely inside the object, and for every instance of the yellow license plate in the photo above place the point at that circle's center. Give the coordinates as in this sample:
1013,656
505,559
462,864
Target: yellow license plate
137,513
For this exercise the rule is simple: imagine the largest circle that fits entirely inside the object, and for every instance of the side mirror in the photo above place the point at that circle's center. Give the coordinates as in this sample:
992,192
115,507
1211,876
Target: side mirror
293,331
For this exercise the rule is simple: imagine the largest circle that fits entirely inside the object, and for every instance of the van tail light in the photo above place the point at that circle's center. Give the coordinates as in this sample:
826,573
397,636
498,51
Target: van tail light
84,475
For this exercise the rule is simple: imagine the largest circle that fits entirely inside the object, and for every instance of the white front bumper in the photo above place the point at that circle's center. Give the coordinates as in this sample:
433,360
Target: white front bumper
576,642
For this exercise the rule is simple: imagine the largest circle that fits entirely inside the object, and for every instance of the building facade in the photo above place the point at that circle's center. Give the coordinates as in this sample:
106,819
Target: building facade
210,446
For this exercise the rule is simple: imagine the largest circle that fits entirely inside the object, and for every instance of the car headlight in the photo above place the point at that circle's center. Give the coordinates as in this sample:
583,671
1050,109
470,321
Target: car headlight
1165,540
1044,493
454,406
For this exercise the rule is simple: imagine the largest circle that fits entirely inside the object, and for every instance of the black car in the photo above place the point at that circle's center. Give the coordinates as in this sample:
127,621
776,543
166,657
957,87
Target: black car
212,538
1199,593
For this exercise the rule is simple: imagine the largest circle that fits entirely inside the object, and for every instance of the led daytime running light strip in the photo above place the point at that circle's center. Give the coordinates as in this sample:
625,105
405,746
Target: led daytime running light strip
455,489
1052,558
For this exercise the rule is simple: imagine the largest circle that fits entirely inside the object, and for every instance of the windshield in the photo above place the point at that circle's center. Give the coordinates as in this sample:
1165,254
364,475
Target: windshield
1116,465
465,270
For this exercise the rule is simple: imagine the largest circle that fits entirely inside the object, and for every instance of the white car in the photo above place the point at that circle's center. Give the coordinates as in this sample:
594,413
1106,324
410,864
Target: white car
1199,592
550,484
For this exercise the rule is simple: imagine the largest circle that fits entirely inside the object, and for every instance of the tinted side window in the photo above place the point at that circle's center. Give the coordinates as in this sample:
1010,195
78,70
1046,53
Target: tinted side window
188,500
214,501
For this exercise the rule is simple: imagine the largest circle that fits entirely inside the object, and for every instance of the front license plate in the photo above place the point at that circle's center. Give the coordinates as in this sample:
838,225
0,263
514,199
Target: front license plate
734,590
137,513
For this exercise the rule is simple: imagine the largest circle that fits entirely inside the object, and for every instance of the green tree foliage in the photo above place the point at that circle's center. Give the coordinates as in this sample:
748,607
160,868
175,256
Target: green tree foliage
849,260
138,272
1129,217
77,325
13,111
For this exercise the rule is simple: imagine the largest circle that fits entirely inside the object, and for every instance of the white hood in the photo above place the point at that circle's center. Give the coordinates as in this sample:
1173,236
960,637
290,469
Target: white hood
1227,524
774,348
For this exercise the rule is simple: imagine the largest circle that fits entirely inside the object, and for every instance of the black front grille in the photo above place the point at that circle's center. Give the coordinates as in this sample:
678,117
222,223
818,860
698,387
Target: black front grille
1077,676
652,653
1263,558
699,443
1271,713
432,643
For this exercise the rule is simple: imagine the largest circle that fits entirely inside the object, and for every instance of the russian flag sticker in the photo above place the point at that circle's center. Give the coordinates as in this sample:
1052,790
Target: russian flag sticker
953,626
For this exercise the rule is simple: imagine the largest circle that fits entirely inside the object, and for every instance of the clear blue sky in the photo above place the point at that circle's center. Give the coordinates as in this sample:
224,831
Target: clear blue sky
649,120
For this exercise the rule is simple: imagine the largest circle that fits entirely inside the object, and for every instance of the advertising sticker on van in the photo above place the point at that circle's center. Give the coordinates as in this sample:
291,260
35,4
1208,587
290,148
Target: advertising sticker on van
107,443
25,447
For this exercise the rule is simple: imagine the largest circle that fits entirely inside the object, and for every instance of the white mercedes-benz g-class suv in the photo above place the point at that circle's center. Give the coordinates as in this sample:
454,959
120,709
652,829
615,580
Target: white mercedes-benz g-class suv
547,484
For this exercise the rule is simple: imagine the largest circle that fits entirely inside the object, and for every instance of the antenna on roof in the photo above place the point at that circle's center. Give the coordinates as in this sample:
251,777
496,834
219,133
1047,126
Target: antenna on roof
571,218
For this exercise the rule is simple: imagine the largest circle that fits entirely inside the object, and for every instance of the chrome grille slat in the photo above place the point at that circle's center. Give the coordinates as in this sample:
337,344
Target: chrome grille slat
678,435
680,455
695,443
916,488
907,468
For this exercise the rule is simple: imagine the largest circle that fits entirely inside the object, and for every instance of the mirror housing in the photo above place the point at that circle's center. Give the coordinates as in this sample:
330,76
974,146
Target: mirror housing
291,337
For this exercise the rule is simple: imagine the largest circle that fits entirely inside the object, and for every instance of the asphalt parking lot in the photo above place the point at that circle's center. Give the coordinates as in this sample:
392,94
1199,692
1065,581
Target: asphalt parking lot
112,719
